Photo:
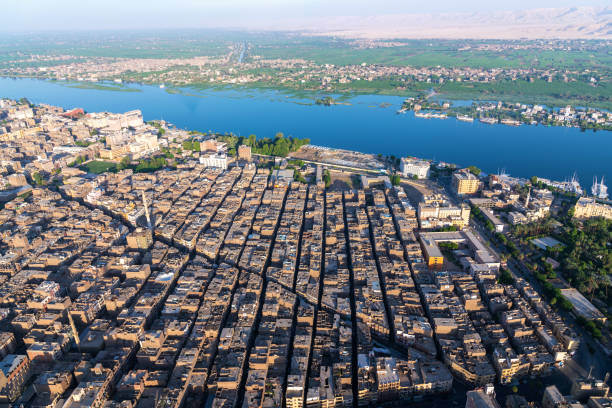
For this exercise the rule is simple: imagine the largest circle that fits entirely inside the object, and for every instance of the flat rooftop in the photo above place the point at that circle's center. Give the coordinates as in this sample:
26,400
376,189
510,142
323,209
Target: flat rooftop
545,242
581,305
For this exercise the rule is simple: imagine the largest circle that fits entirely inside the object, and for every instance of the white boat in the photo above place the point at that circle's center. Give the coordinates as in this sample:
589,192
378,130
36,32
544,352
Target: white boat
162,86
490,121
599,189
430,115
465,118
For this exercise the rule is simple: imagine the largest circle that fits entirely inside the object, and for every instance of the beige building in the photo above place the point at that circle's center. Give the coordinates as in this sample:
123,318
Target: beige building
14,372
590,208
140,238
465,183
244,152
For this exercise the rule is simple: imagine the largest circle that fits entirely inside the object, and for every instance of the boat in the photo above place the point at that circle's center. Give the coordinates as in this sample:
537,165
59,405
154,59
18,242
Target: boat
599,189
430,115
510,122
489,121
465,118
162,86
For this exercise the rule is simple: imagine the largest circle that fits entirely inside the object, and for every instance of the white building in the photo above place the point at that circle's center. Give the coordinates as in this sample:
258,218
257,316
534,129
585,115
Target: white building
413,167
218,160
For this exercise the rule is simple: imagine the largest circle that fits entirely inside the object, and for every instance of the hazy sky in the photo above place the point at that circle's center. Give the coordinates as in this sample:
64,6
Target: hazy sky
41,15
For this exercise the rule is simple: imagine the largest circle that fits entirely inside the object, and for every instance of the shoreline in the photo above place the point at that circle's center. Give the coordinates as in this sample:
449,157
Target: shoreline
548,100
215,112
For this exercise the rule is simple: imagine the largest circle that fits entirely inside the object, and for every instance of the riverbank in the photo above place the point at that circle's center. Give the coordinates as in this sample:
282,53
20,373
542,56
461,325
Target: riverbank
519,91
463,113
510,114
366,126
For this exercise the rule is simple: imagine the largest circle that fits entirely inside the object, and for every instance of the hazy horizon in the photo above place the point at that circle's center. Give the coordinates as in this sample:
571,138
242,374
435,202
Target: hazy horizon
318,15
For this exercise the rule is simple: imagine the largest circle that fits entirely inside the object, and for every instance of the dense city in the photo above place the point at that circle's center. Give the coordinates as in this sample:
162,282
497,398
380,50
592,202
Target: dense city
148,266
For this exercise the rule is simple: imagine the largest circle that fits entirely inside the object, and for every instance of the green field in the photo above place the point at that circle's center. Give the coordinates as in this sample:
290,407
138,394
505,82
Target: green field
542,92
431,53
98,166
579,60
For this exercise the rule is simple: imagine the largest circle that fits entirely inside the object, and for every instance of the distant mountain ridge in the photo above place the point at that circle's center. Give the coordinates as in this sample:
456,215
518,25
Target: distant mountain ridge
544,23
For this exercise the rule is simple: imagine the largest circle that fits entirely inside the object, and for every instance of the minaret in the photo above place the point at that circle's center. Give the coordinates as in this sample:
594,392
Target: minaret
528,198
146,208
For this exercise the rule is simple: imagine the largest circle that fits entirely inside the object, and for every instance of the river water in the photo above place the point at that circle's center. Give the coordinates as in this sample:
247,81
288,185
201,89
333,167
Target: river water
367,123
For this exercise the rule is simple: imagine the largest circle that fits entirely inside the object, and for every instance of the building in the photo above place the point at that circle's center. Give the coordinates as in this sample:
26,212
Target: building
413,167
211,145
480,254
465,183
589,208
552,398
583,388
14,372
599,402
218,160
482,398
140,238
441,213
582,307
497,223
515,218
433,255
53,382
282,175
7,343
516,401
244,152
508,364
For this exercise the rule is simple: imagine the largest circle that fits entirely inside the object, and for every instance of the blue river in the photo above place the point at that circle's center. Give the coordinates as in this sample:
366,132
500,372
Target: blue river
366,123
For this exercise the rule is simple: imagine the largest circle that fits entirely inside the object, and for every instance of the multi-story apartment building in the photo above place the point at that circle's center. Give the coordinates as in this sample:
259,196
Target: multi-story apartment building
465,183
218,160
14,372
412,167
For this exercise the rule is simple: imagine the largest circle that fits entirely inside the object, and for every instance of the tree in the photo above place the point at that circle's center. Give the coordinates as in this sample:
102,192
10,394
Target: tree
474,170
505,277
124,163
395,179
38,179
327,178
25,101
297,176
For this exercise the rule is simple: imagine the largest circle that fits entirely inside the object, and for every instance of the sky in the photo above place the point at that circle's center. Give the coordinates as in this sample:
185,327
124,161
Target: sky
52,15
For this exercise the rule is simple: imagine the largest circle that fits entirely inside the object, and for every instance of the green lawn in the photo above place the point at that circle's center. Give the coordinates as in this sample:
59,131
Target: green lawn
98,166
